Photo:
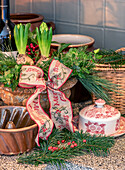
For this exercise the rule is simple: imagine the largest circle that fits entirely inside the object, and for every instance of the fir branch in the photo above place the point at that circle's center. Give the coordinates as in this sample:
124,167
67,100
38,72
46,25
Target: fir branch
101,88
99,145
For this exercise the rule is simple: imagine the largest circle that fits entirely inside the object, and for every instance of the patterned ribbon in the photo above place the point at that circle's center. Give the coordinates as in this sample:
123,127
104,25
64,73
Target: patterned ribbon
60,106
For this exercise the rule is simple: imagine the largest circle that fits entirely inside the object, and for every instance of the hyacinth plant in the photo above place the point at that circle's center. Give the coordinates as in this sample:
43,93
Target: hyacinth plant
21,32
44,37
21,37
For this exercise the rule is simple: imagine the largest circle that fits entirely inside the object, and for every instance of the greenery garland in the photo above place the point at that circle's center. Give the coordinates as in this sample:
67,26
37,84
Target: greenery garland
63,145
83,63
79,60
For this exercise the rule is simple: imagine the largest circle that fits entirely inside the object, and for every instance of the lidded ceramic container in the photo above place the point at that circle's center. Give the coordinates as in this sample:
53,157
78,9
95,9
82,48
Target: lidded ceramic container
99,118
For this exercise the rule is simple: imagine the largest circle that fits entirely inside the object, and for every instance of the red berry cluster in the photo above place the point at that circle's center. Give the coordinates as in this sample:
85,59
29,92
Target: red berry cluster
71,144
51,148
32,50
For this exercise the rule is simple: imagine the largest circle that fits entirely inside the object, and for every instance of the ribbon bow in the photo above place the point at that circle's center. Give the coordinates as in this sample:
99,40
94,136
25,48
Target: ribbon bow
60,106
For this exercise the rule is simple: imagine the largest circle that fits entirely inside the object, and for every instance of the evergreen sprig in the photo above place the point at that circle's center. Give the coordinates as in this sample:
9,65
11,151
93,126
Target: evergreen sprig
9,71
99,145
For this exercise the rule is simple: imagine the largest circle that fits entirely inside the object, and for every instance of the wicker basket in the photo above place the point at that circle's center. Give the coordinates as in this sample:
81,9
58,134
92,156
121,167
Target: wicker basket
116,76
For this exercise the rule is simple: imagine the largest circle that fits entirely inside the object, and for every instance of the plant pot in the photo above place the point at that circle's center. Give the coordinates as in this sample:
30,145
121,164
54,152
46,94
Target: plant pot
12,53
75,41
20,139
34,19
19,96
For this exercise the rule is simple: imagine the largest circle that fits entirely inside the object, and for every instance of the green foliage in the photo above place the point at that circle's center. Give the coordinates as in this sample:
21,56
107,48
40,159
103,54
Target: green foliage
83,64
32,37
111,57
99,145
9,71
81,61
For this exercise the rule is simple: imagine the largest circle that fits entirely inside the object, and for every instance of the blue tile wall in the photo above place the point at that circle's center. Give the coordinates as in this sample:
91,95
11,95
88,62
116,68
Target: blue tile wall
67,11
104,20
45,8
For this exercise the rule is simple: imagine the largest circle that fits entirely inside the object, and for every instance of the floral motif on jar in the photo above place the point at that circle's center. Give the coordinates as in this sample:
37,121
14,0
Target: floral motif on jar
117,124
95,127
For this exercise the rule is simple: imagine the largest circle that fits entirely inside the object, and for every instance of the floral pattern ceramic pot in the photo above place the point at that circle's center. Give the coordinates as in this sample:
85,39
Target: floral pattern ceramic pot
99,118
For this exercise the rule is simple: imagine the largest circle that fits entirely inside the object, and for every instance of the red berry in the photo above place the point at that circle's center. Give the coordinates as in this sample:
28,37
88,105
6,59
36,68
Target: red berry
52,150
72,146
34,48
31,45
29,49
64,147
84,140
69,143
50,147
55,148
58,142
29,53
63,141
75,144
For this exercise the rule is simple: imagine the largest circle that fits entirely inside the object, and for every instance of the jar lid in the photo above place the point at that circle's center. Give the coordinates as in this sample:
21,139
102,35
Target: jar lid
99,110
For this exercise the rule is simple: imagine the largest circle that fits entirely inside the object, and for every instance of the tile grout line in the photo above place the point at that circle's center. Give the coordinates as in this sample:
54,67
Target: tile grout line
54,9
14,6
31,6
54,12
104,20
78,16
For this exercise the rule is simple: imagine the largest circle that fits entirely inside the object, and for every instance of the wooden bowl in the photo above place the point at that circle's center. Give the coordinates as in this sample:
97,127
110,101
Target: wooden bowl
20,139
19,96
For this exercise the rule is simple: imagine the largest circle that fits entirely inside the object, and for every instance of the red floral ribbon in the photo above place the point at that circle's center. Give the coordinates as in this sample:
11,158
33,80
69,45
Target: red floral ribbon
60,106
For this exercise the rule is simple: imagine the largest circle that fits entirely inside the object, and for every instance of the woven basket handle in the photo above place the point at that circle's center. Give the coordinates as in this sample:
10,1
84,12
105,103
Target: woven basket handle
120,49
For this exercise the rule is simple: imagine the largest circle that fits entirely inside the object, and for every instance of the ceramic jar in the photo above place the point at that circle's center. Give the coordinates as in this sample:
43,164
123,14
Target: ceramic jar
99,118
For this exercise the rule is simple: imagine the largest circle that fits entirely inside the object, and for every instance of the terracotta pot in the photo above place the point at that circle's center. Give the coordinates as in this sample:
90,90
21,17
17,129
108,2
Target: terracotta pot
34,19
20,139
75,40
19,96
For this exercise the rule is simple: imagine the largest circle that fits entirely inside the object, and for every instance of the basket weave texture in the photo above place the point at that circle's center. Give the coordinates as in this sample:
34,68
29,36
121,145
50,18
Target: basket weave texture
116,76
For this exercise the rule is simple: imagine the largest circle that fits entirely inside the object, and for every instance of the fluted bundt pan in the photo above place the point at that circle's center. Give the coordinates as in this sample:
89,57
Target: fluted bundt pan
17,130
